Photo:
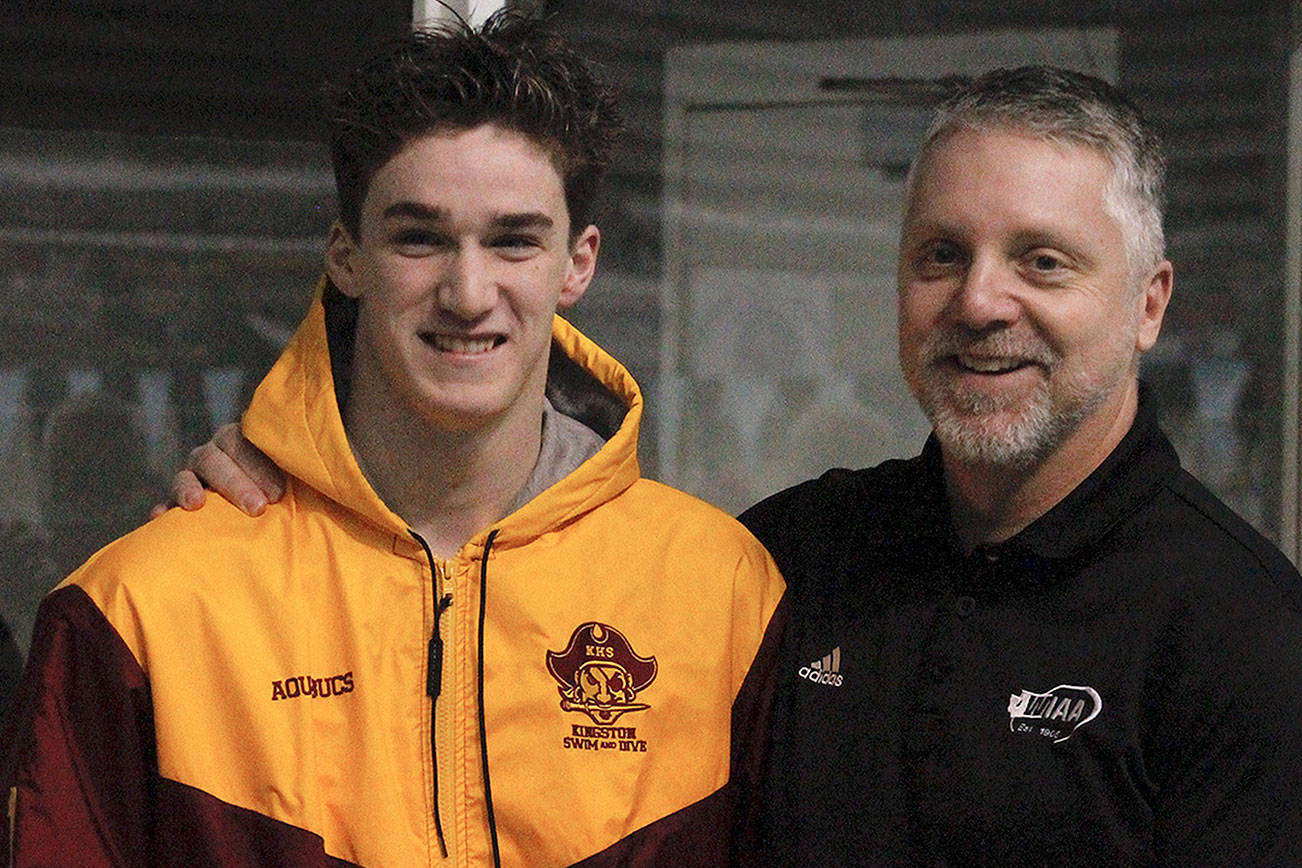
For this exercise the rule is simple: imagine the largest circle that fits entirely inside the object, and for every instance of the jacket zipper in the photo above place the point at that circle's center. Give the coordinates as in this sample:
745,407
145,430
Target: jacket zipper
483,727
434,677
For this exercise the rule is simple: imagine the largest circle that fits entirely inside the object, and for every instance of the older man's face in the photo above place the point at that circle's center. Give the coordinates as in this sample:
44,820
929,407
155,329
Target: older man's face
1020,321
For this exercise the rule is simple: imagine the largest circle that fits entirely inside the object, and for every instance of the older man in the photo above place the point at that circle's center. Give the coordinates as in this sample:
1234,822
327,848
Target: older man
1040,640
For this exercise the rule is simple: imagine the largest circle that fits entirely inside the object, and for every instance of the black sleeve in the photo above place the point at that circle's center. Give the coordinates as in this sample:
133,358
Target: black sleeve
1233,792
767,520
796,525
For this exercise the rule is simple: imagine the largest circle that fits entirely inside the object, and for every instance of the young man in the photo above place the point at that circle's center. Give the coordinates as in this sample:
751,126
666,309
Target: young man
469,633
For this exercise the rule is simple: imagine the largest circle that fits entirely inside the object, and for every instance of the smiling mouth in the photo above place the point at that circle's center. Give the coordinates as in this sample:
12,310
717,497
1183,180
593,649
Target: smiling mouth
990,364
462,345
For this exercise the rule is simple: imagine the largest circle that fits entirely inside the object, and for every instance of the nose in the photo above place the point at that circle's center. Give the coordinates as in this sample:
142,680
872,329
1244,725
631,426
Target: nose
986,296
466,288
597,685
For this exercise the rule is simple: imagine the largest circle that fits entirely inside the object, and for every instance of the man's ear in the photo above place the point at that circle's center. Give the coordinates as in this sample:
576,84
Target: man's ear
1157,295
583,264
340,260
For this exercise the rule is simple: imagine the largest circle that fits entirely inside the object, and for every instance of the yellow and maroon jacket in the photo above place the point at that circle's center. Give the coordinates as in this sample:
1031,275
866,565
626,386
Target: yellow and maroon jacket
582,683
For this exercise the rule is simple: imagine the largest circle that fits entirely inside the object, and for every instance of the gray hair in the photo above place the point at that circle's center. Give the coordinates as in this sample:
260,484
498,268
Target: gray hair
1062,106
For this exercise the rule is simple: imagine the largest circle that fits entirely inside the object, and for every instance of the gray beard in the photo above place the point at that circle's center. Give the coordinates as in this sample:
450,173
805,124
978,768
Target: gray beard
964,426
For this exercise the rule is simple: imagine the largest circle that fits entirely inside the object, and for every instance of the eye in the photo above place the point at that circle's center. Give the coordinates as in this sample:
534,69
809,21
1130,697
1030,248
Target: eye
415,241
516,245
1045,262
1046,266
945,254
938,258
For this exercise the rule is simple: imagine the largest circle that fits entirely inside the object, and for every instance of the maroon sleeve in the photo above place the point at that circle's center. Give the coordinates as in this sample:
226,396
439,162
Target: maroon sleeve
722,828
752,715
79,756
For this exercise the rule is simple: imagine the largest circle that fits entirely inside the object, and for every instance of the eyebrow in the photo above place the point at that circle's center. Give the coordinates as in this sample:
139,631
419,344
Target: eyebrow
411,209
528,220
419,211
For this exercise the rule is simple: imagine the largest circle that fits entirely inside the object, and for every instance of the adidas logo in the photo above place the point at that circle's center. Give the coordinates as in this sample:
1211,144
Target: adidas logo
826,671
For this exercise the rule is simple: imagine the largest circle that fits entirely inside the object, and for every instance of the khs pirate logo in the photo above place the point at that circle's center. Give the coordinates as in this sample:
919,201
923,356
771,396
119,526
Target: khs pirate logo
599,674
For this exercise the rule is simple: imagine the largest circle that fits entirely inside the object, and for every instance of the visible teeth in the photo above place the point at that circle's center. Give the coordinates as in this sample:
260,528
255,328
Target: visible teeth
987,365
451,344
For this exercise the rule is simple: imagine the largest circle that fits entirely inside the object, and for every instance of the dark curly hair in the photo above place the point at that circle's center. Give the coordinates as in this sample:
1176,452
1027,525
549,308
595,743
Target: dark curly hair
515,72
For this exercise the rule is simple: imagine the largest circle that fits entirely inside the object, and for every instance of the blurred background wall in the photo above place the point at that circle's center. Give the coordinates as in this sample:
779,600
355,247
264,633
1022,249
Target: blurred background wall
164,195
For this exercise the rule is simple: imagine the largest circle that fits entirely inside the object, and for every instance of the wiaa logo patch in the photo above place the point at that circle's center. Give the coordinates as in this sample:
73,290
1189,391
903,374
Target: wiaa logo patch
599,673
1056,714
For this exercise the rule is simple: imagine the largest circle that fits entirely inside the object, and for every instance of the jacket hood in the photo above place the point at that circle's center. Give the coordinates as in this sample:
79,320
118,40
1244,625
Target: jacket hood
295,419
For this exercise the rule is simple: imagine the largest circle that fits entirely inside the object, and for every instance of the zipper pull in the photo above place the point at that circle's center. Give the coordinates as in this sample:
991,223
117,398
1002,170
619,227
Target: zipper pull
434,676
434,662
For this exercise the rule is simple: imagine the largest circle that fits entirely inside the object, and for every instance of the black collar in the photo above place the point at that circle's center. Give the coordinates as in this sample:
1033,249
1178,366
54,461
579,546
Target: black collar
1127,478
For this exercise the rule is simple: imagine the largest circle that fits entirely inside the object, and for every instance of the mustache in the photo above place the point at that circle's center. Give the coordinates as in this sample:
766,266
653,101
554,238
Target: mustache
958,340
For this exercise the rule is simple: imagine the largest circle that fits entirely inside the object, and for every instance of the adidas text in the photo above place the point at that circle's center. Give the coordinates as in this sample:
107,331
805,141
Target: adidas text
832,678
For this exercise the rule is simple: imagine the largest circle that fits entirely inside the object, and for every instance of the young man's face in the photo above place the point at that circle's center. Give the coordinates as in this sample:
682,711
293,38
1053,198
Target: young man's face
1021,323
463,256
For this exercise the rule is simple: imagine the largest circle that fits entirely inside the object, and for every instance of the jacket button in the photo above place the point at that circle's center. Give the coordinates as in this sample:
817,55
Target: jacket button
964,606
